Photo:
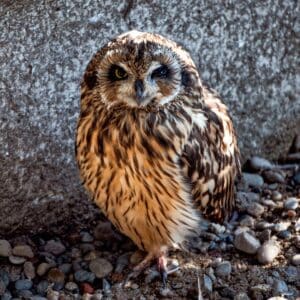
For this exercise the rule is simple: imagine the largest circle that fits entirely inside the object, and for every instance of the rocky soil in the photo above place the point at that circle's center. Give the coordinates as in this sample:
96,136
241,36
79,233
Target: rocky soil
254,256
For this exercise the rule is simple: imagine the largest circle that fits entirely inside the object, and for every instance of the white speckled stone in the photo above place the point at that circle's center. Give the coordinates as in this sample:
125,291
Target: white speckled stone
268,252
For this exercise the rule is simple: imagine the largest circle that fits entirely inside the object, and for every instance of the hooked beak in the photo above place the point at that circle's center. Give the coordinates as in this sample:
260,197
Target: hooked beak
139,91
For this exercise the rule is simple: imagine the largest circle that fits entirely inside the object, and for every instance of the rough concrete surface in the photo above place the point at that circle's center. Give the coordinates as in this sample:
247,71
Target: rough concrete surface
247,50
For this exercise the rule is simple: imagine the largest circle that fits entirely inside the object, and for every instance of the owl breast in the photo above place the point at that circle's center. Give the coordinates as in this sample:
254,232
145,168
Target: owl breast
129,162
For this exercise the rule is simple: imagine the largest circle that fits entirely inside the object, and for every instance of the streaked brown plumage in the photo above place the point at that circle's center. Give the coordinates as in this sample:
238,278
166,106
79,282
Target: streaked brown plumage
155,147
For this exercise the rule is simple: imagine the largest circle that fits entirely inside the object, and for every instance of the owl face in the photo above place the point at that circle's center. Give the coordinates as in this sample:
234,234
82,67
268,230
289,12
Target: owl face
140,69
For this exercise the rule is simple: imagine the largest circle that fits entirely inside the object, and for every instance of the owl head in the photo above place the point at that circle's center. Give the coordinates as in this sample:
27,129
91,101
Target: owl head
140,69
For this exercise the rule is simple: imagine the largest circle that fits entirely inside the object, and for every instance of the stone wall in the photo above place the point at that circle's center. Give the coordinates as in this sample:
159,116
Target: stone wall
246,50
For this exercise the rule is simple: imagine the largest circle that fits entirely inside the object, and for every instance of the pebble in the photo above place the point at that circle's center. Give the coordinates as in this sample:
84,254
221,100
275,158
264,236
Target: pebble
65,268
223,269
269,203
56,276
52,295
258,163
153,274
282,226
247,243
106,287
207,283
273,177
87,288
16,260
6,296
29,270
265,235
104,231
100,267
296,178
5,248
43,268
122,262
217,228
42,287
241,296
86,237
82,276
279,287
255,209
296,260
291,203
268,252
23,251
292,273
55,247
4,277
72,287
264,225
2,288
253,180
166,292
285,234
23,284
36,297
276,196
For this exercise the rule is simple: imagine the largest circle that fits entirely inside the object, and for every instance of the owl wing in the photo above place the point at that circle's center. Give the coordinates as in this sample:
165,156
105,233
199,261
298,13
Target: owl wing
210,159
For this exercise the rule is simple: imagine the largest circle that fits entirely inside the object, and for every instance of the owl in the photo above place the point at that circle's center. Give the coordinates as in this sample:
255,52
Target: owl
156,148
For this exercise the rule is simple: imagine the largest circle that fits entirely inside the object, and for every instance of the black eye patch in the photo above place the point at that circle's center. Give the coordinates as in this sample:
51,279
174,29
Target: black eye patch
91,79
186,79
161,72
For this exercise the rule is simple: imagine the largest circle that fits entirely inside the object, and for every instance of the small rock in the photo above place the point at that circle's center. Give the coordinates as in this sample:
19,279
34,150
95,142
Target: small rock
258,163
23,284
247,243
153,274
261,288
43,268
276,196
6,296
5,248
134,286
265,235
217,228
86,237
255,209
23,251
247,221
55,247
65,268
104,232
4,277
42,287
56,276
241,296
291,203
210,272
25,294
90,256
269,203
72,287
100,267
37,297
291,214
264,225
292,273
16,260
106,287
223,269
285,234
279,287
253,180
296,260
268,252
277,298
29,270
2,288
122,262
207,283
87,288
296,178
273,177
166,292
282,226
82,276
52,295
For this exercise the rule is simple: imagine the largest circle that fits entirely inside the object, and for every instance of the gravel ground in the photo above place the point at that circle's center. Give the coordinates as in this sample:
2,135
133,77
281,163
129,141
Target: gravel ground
254,256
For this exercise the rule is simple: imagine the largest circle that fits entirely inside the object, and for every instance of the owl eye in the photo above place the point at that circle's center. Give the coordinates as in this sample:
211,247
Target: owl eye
117,73
161,72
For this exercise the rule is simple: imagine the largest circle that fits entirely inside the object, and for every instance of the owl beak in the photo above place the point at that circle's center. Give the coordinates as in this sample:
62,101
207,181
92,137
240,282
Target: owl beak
139,91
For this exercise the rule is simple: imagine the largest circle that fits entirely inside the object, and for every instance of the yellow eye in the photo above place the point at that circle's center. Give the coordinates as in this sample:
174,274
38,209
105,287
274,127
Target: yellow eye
120,73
